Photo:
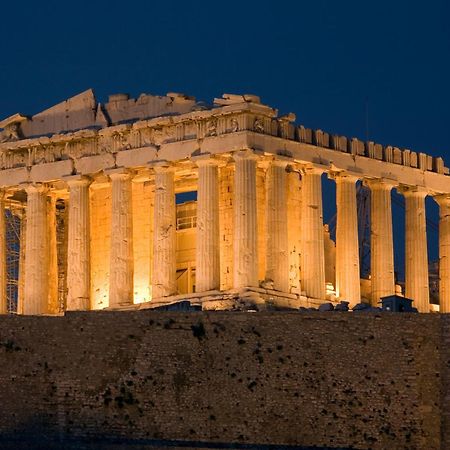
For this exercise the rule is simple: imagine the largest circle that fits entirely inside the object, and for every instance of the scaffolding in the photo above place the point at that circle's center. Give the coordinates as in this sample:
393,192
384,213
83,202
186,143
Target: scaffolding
13,224
61,252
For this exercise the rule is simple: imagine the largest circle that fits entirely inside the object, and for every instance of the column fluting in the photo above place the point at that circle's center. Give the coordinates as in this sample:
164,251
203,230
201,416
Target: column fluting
443,201
416,252
347,248
277,259
245,242
36,283
78,243
381,240
312,252
164,235
121,263
207,270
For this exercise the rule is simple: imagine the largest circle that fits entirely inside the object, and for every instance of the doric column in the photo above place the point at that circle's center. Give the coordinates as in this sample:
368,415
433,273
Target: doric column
164,234
3,299
78,242
381,240
36,283
443,201
53,306
277,260
294,229
312,252
416,253
347,248
207,271
121,263
245,242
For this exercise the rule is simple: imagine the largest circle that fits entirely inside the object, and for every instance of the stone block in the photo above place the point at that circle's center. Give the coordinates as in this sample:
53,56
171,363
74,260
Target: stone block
14,177
51,171
423,161
93,164
388,154
136,157
397,156
439,165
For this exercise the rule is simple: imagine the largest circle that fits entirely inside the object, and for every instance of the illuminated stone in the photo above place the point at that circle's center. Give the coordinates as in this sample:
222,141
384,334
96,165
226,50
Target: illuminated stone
255,234
207,248
36,287
416,253
245,248
121,262
78,254
347,249
381,239
277,261
164,245
312,253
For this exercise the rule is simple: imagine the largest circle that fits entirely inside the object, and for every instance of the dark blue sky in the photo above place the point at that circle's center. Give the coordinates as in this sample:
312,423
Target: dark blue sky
323,60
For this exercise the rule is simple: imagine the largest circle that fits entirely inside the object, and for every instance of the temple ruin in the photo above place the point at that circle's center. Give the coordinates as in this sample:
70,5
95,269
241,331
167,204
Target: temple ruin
90,217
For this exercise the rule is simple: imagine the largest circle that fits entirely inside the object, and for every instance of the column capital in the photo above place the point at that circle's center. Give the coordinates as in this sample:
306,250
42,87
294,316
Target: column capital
121,173
379,183
77,180
205,159
32,188
314,170
141,175
442,199
247,154
412,191
161,166
280,161
342,175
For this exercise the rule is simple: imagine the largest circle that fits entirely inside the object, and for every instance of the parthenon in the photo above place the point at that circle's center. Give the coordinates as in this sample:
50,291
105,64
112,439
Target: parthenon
95,186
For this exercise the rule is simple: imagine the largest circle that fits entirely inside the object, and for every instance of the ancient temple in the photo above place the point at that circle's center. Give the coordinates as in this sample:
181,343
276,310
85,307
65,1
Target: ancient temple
98,190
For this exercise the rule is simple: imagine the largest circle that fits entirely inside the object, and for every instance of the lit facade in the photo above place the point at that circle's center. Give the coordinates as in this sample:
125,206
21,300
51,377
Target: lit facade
96,186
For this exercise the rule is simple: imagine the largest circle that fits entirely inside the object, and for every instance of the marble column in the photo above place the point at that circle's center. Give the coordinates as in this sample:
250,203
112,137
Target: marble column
78,243
36,283
207,271
443,201
3,298
277,258
245,239
416,252
53,306
164,234
312,252
121,263
347,248
381,240
294,231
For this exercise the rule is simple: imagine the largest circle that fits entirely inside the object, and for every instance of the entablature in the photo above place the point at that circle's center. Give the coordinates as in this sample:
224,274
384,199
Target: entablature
219,130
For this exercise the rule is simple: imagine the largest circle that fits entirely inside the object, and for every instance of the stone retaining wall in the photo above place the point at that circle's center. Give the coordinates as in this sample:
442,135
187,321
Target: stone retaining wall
337,380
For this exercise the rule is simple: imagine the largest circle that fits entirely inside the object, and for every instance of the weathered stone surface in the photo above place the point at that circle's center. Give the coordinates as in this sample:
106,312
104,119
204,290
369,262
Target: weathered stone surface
367,381
78,252
51,171
269,228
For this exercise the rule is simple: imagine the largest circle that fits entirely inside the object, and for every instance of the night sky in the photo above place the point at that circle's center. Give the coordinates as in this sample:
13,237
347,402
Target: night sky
358,68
